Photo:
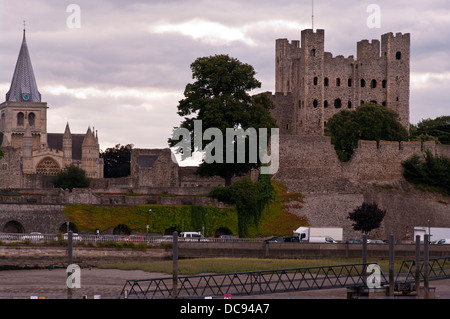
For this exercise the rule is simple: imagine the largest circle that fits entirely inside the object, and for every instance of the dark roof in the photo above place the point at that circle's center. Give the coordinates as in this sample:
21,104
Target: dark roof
146,161
23,80
55,141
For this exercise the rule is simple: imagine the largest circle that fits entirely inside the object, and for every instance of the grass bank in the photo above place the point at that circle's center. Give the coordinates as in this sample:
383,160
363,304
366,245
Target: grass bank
230,265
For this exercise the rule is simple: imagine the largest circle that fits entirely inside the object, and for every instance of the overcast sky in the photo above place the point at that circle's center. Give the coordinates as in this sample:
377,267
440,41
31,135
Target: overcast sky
125,68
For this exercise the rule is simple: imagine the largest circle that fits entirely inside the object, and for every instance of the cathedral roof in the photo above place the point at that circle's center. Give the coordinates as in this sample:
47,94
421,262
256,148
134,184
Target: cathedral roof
23,84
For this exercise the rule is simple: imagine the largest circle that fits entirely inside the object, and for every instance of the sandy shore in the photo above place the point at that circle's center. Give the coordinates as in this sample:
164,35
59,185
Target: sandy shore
108,283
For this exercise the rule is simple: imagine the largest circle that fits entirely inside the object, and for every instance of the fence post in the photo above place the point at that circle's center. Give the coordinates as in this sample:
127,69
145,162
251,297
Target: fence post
175,265
417,274
426,258
391,266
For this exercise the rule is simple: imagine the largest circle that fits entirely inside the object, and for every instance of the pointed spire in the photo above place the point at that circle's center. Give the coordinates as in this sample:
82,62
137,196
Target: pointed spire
23,84
67,131
89,139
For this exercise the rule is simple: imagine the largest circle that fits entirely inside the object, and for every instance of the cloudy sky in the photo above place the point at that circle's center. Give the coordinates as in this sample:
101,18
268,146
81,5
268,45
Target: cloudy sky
125,68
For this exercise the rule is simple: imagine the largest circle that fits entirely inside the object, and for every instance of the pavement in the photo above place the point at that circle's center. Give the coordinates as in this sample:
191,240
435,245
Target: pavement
108,283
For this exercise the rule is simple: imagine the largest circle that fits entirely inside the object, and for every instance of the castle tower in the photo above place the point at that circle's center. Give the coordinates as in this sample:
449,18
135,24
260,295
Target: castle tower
312,85
67,146
23,105
90,155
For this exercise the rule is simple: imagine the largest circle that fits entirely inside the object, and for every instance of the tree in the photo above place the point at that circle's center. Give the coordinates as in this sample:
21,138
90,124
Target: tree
71,177
117,161
437,129
431,171
219,98
368,122
367,217
250,199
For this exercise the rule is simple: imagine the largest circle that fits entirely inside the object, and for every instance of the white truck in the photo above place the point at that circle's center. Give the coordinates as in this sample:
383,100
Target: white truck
319,234
436,233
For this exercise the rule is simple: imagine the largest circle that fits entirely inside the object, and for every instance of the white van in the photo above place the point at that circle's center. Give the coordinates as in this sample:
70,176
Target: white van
192,236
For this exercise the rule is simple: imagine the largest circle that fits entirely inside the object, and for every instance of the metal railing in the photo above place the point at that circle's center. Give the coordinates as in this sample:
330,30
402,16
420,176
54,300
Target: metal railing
438,269
248,283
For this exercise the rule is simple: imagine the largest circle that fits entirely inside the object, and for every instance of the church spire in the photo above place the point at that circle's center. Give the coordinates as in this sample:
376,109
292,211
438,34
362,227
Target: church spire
23,84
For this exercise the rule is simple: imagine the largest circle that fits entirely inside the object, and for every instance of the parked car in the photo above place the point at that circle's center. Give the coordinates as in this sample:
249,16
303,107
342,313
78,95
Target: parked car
75,237
443,242
33,236
276,239
134,238
227,237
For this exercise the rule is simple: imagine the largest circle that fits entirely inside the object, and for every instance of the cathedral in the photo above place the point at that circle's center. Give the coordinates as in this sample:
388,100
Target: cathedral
31,153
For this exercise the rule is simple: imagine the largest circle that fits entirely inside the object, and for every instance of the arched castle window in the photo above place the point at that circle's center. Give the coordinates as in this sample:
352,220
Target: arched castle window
384,84
398,55
325,82
337,103
315,103
325,104
363,83
31,119
349,83
349,104
315,80
313,52
47,166
373,84
20,118
338,82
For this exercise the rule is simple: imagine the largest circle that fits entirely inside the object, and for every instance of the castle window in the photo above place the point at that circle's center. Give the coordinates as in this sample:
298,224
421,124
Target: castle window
338,82
398,55
287,127
349,104
47,166
384,103
384,84
325,82
373,84
349,83
363,83
337,103
315,80
325,104
20,118
315,103
31,119
313,52
374,102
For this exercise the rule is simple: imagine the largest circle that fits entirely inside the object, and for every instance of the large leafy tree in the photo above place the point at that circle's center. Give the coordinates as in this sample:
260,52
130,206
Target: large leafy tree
367,217
71,177
117,161
368,122
219,98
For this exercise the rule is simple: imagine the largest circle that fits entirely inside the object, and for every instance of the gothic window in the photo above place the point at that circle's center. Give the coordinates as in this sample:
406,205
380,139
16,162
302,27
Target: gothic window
315,103
337,103
313,52
363,83
338,82
47,166
398,55
373,84
31,119
315,80
325,82
349,83
20,118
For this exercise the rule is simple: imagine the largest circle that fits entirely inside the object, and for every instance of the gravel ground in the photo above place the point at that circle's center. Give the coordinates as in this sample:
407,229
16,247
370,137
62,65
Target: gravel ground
108,283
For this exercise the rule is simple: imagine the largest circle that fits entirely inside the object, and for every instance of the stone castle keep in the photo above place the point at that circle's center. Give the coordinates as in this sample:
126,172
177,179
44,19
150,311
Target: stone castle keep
311,85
